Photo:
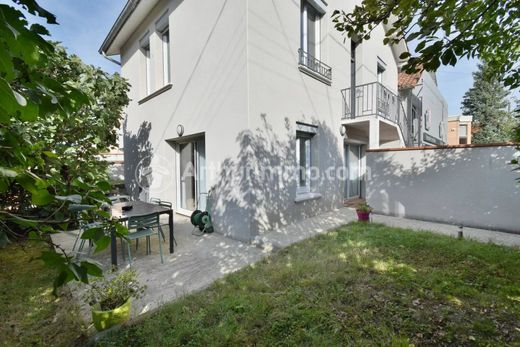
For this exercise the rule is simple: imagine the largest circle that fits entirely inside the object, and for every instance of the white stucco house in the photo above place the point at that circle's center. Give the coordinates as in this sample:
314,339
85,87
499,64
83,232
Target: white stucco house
254,110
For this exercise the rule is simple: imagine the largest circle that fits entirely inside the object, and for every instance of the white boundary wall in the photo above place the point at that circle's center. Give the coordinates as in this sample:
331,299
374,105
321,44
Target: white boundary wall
470,185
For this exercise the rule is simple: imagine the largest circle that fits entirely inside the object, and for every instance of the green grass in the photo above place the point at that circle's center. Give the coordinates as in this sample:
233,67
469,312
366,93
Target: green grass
30,314
359,285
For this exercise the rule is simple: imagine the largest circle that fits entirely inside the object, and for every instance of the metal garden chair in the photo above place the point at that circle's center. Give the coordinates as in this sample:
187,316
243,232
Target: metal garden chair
83,226
169,205
143,227
155,201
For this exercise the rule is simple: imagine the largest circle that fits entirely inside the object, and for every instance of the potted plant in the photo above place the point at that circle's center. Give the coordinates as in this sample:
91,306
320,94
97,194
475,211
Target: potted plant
363,212
111,299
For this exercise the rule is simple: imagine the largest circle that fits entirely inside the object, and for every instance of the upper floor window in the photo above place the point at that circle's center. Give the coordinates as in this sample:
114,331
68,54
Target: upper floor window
310,30
147,66
310,40
165,38
162,28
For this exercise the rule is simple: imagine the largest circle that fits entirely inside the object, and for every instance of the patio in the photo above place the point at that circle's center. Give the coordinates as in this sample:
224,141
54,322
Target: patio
197,262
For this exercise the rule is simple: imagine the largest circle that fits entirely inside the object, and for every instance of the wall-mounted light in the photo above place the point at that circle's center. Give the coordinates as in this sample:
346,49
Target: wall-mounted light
343,130
180,130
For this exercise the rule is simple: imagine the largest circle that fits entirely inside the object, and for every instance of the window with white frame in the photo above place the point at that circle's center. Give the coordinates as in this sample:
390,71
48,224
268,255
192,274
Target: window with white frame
162,29
310,29
304,135
165,38
145,48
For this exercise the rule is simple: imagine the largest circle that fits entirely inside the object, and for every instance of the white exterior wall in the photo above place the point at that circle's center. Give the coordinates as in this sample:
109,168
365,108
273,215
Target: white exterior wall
475,187
209,93
235,76
433,101
280,95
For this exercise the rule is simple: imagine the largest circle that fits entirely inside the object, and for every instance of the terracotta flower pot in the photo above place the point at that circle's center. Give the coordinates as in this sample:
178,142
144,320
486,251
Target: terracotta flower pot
363,216
106,319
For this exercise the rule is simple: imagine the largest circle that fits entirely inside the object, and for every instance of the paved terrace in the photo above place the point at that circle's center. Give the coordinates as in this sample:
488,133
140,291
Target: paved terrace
200,260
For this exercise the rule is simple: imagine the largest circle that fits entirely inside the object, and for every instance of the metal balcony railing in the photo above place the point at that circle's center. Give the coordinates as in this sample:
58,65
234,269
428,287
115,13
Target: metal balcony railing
314,64
374,99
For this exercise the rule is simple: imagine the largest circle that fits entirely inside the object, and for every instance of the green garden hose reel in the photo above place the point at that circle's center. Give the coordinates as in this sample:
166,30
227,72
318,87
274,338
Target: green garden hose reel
202,220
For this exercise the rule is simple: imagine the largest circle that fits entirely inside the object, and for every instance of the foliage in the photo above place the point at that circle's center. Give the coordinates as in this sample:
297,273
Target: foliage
364,207
487,101
361,285
31,315
109,294
516,138
445,31
42,89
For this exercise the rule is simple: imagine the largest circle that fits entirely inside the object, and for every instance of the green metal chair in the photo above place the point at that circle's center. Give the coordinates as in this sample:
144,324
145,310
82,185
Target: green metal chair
155,201
83,226
169,205
143,227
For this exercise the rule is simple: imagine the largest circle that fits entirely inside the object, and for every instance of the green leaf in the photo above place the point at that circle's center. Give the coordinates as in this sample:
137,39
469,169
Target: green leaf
41,197
92,269
104,185
52,258
29,112
5,172
60,280
4,240
102,243
9,103
93,234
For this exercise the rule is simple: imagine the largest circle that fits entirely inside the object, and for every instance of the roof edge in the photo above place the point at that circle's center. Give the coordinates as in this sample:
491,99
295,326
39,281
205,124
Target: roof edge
127,11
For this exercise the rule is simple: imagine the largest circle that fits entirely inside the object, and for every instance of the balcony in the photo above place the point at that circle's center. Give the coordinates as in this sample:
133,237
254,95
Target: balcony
314,67
374,99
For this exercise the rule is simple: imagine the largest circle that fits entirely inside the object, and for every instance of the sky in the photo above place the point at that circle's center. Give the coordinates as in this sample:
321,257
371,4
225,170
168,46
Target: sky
84,24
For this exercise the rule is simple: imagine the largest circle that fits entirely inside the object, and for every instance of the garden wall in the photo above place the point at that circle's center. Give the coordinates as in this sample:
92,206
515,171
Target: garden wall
470,185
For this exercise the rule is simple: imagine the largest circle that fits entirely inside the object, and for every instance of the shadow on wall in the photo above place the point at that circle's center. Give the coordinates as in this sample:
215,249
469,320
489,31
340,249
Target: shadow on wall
256,190
138,158
471,186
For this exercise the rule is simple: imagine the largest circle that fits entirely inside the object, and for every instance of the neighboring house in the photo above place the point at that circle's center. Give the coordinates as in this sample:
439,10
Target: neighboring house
245,107
426,108
459,130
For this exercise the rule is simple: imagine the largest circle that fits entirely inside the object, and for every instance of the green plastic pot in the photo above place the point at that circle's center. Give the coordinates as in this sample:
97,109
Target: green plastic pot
106,319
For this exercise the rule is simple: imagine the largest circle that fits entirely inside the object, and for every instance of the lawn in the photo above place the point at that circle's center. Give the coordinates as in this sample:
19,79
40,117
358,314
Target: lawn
359,285
30,314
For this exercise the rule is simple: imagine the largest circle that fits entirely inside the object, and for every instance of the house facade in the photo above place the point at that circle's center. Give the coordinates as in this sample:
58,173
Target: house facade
426,108
244,108
459,130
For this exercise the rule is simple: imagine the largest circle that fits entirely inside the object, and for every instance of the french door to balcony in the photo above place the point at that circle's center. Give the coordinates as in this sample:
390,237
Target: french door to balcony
191,176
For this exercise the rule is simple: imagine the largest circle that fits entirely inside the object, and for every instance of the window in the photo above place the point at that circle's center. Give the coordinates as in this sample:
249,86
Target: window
165,37
148,67
463,134
310,30
380,73
303,159
304,135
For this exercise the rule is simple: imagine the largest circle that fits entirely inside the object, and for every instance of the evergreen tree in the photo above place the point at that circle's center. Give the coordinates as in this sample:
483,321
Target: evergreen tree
487,101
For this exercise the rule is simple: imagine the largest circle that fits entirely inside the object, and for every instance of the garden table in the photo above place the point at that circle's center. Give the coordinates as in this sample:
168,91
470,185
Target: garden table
139,208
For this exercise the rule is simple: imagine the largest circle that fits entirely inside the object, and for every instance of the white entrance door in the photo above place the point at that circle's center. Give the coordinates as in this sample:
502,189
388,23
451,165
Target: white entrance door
191,176
353,159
